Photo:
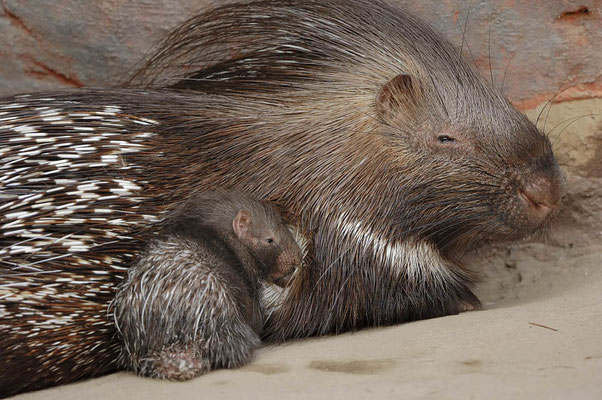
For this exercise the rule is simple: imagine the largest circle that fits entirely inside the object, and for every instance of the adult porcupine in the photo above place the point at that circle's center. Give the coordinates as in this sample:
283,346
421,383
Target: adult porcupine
192,301
366,126
413,156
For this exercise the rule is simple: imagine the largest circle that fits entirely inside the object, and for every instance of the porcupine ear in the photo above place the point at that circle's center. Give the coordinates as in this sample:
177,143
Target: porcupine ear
399,94
241,223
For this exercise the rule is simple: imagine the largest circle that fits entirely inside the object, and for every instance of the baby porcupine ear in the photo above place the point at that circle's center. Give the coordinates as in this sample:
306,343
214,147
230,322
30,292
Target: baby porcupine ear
241,223
400,94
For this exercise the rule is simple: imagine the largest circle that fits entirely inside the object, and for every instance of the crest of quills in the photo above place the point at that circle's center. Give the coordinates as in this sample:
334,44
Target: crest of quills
365,127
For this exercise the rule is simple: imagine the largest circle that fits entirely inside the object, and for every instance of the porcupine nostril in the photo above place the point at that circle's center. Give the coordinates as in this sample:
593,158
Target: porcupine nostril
540,197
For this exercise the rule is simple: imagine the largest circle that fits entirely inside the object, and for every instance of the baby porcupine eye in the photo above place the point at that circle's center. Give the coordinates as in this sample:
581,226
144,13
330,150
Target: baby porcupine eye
269,240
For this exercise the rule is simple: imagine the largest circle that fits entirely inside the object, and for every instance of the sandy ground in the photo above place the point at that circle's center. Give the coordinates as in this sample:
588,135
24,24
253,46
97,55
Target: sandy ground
539,336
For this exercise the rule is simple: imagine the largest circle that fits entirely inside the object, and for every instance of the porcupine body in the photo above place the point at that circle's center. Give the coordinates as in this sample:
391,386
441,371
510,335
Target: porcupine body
369,130
192,301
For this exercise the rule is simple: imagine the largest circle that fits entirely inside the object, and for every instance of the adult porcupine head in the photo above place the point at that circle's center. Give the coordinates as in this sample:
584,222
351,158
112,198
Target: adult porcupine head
365,126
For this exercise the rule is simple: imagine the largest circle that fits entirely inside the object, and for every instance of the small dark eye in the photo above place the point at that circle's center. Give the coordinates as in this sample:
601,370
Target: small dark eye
270,240
445,139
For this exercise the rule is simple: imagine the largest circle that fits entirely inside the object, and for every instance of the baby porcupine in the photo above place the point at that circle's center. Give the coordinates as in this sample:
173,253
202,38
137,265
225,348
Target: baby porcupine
191,302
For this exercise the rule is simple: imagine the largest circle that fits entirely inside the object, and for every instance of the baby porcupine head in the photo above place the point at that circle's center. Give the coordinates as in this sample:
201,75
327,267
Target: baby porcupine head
257,226
261,229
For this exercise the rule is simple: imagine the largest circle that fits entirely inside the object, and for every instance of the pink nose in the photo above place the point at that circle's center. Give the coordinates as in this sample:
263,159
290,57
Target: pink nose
287,262
540,196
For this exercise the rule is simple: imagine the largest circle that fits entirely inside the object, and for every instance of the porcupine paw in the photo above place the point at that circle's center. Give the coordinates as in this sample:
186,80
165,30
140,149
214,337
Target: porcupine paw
470,303
468,306
178,364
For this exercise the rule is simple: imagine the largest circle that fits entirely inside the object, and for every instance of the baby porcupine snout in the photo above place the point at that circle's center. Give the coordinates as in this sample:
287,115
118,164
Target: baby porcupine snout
286,264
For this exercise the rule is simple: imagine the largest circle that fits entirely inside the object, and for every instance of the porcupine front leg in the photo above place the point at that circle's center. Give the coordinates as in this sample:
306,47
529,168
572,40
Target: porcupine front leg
179,317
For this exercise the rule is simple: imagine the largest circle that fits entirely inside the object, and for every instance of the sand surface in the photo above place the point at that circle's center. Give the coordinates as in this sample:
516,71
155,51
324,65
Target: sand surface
539,336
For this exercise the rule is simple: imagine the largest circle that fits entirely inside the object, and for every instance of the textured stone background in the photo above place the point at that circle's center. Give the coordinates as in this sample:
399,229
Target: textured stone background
536,48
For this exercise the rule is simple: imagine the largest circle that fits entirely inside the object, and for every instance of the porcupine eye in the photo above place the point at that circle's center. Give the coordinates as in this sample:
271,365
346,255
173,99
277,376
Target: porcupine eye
269,240
445,139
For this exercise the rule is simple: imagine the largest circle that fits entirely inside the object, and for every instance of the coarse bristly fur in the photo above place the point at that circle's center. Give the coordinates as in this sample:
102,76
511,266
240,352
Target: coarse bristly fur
192,300
372,135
